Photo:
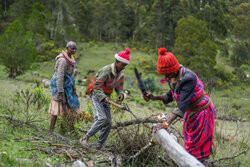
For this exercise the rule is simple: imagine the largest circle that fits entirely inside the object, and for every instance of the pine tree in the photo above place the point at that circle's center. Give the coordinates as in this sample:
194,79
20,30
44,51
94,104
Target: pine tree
213,12
17,49
240,18
193,46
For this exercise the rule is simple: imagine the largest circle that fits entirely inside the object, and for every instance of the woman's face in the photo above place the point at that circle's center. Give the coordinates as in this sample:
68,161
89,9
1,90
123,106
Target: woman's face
71,49
172,75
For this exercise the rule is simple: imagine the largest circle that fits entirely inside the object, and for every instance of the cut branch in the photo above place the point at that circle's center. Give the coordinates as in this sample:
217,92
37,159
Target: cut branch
151,119
226,158
150,144
230,118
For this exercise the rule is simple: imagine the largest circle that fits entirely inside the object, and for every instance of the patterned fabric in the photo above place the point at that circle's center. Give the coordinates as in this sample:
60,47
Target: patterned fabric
197,93
198,129
68,84
71,60
198,135
62,67
107,78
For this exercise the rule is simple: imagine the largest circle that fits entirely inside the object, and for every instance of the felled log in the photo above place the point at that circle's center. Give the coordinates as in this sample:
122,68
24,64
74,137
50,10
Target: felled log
175,151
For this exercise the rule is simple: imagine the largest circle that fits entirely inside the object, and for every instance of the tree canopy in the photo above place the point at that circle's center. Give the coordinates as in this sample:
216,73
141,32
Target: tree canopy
17,51
143,24
193,46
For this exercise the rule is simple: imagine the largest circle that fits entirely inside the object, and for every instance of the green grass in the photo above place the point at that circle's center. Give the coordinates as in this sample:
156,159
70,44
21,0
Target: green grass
11,149
234,100
96,57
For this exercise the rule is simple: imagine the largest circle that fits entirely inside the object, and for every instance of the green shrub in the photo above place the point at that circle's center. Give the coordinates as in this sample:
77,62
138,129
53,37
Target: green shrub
245,67
240,54
18,48
223,74
239,72
48,51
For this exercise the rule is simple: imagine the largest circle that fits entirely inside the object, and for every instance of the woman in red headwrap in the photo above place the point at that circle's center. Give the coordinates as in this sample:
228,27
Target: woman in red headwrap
192,103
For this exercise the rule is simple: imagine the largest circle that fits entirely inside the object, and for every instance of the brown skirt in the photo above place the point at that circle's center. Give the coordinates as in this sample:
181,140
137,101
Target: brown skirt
56,109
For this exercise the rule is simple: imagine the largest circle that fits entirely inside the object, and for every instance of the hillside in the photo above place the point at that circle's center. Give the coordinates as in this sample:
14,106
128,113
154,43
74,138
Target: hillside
25,142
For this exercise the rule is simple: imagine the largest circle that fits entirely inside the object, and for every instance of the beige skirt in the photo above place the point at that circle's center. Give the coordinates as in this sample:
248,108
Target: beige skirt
56,109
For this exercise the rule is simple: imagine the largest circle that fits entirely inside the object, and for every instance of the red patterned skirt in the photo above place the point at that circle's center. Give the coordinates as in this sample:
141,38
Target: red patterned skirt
198,132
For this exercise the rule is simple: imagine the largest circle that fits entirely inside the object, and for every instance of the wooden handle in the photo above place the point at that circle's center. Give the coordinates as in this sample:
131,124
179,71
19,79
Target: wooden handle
117,105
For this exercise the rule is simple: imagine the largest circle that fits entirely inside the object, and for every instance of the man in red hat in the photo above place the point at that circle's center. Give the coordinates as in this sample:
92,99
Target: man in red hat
192,103
106,79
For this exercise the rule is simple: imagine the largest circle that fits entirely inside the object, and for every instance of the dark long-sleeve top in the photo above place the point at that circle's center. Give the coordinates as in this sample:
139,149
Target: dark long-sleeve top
184,88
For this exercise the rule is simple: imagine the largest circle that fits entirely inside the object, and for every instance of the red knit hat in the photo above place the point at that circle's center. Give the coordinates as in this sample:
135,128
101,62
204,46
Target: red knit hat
123,56
167,63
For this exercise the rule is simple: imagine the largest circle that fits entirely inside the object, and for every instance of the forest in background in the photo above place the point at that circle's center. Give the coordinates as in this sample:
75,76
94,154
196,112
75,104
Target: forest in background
196,31
209,37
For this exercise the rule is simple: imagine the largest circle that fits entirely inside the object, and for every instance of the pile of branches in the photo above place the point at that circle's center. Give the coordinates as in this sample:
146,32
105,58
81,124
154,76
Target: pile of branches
129,142
134,144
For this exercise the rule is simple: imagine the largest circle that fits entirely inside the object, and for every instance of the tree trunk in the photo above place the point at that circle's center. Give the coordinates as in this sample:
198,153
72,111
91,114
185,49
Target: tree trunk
5,6
175,151
51,33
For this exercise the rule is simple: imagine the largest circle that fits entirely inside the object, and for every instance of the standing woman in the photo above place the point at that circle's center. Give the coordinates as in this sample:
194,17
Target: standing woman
64,100
192,103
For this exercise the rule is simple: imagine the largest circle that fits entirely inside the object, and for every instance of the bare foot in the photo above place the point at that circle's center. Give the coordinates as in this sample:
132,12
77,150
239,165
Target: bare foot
84,141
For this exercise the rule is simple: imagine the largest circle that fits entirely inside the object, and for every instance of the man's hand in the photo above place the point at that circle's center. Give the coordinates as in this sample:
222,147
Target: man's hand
107,99
120,97
158,127
148,96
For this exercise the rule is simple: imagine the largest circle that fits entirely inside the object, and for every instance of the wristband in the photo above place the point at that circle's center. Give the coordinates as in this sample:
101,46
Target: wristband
165,124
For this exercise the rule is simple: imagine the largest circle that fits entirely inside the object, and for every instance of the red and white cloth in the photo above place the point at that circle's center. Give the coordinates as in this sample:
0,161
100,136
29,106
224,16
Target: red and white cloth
123,56
198,129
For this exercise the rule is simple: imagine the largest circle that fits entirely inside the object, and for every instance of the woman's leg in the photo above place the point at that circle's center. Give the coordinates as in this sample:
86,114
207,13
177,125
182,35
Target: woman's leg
52,123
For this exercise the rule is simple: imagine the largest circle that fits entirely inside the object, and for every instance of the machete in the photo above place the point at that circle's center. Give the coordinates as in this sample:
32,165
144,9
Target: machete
141,85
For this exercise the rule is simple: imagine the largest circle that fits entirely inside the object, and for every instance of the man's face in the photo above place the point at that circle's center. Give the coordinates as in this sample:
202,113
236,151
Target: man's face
120,66
72,49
